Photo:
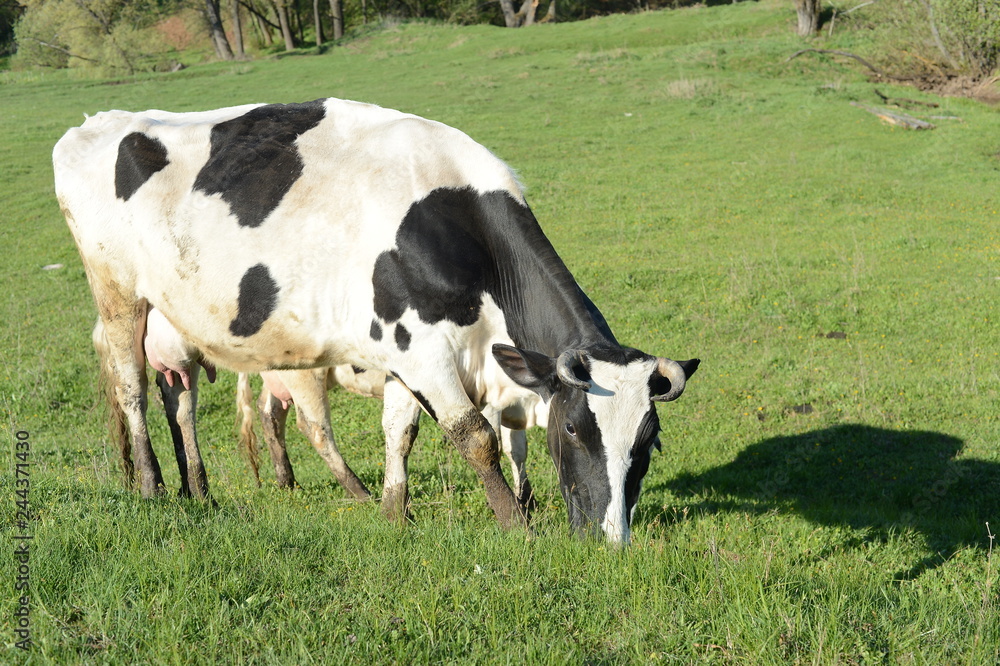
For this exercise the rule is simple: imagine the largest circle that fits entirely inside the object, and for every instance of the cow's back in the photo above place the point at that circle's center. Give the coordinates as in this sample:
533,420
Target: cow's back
259,221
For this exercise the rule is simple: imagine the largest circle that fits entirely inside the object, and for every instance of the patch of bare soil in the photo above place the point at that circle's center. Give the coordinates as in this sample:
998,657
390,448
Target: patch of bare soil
955,85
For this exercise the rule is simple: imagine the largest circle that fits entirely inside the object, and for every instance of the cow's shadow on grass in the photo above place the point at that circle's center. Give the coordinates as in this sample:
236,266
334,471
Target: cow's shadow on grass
877,481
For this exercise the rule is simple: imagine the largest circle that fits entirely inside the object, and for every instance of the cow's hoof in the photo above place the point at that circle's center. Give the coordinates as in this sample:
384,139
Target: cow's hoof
396,505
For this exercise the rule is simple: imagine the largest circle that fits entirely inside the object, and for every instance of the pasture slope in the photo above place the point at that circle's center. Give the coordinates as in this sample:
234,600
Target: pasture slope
825,483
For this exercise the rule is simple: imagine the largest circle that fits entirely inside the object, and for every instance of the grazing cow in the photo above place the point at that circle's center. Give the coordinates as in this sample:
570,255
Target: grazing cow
331,232
400,424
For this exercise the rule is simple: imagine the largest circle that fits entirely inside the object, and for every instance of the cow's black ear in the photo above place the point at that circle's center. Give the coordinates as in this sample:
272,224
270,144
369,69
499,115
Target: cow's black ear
689,366
529,369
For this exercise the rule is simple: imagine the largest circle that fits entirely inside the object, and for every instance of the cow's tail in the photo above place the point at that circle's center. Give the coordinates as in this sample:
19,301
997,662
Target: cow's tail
117,423
248,438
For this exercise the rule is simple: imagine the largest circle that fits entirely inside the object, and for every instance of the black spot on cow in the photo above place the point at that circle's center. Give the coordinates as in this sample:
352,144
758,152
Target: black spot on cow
139,157
440,263
457,244
402,337
376,331
423,403
254,161
257,300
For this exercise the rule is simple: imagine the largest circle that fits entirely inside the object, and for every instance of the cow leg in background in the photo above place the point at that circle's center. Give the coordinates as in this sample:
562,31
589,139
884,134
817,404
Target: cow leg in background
400,423
273,416
180,405
308,391
124,319
515,447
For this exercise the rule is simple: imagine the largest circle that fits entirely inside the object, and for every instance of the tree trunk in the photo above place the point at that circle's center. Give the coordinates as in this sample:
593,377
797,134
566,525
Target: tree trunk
808,11
550,15
526,15
295,20
218,34
509,15
264,29
337,12
238,30
286,29
318,24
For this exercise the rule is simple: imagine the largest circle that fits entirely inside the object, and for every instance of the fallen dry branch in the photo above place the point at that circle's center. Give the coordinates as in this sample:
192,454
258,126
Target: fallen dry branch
62,50
864,62
893,118
904,101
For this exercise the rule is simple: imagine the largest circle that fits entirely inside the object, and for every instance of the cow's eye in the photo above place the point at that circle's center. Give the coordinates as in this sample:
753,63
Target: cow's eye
570,430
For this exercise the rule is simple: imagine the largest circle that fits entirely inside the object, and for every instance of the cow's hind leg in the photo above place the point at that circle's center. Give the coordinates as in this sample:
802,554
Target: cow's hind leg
273,416
180,405
123,320
117,423
308,391
400,423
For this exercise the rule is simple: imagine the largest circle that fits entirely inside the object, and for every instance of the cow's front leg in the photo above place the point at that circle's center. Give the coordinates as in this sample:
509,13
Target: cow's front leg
400,423
180,405
477,442
308,391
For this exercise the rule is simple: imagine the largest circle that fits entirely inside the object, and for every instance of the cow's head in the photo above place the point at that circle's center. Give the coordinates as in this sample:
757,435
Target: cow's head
602,424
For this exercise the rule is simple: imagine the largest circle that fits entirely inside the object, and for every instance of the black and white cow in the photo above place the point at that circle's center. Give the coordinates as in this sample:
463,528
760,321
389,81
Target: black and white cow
332,232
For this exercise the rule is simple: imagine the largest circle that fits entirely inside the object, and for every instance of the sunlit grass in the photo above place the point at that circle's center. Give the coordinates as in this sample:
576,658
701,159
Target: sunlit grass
824,483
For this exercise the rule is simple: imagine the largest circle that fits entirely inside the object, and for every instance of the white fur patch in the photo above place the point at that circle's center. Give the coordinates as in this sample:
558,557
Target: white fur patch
619,399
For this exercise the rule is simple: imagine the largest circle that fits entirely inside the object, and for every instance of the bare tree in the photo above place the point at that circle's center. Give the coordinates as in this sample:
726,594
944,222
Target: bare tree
281,9
550,14
238,30
219,40
317,24
808,12
337,12
526,15
509,15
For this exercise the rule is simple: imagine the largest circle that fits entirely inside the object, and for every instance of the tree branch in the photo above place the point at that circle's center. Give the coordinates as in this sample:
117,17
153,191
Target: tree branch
864,62
253,10
904,101
62,50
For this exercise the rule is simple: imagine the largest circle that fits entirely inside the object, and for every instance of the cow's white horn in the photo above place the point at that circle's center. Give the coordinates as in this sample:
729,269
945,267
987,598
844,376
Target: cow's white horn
672,371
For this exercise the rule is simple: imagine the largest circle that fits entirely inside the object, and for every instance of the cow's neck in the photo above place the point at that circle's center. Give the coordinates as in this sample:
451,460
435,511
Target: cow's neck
545,309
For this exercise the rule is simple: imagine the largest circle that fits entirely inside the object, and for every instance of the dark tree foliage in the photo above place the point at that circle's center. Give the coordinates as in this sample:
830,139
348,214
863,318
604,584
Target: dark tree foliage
10,11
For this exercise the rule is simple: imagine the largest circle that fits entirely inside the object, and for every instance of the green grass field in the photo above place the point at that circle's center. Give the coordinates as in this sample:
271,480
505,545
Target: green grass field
825,482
